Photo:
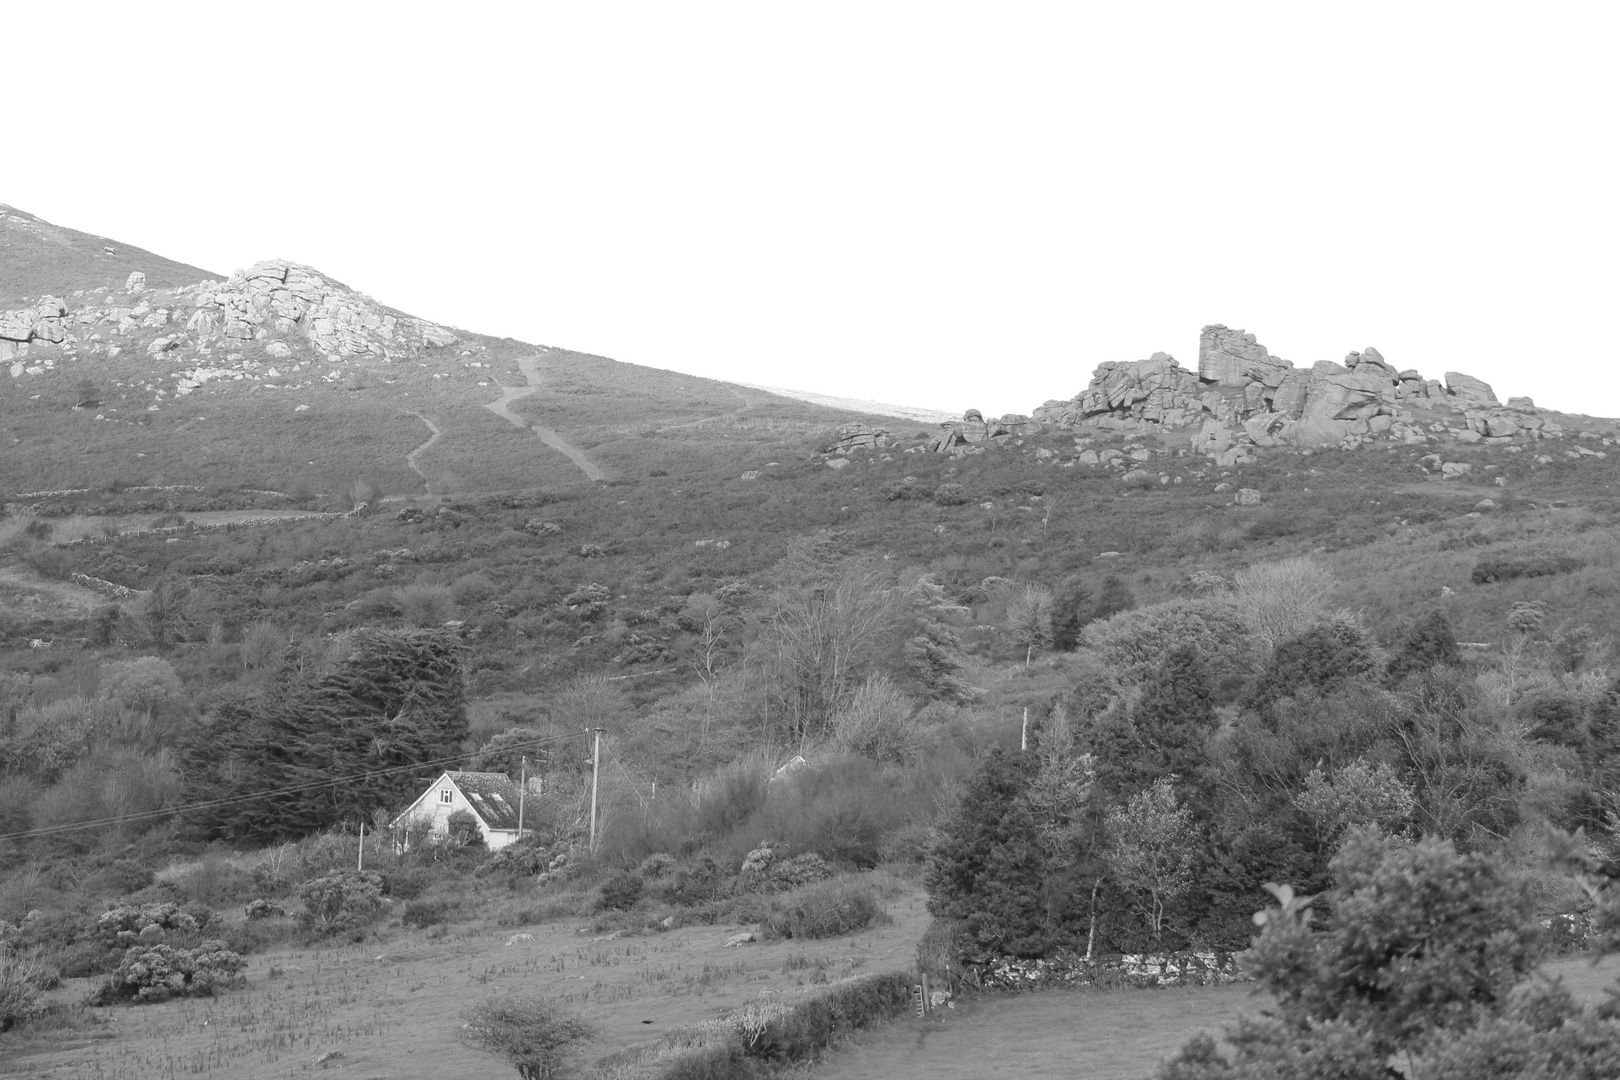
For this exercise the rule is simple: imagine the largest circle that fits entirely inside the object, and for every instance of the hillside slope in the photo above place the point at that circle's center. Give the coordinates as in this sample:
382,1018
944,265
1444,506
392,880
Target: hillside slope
41,259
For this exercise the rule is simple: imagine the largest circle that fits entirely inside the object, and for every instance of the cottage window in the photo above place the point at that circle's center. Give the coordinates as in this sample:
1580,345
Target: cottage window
444,795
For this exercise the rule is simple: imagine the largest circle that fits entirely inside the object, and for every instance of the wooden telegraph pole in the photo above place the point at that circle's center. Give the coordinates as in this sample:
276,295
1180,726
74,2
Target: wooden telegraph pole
523,789
596,766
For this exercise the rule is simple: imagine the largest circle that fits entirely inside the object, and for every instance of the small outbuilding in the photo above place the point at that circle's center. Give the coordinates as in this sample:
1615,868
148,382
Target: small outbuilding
492,798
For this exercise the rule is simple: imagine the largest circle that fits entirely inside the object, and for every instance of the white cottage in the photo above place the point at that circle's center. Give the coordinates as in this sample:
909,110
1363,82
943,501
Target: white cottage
491,797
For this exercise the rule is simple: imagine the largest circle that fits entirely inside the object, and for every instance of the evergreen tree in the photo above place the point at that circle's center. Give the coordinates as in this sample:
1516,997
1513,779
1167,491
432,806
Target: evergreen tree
396,699
1322,657
986,868
1071,610
1173,717
1427,642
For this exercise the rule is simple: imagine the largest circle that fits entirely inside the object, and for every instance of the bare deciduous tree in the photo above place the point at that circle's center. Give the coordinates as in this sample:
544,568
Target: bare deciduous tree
1283,599
1029,618
820,640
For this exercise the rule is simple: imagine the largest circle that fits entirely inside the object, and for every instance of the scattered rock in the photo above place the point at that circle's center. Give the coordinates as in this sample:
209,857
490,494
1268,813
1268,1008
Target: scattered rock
1247,497
135,283
1451,470
837,462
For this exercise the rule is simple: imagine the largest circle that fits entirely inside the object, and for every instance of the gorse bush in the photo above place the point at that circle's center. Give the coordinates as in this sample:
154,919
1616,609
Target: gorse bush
1507,568
343,901
155,973
828,909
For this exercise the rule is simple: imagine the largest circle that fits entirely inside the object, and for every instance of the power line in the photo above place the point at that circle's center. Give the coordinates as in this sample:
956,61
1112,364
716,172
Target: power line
233,800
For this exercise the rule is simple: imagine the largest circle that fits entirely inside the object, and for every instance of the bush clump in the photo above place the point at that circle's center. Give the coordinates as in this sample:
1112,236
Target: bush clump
621,891
342,901
425,913
126,925
1506,568
828,909
150,974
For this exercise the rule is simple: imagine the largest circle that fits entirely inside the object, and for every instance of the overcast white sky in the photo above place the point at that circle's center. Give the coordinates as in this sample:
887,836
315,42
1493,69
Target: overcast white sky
932,204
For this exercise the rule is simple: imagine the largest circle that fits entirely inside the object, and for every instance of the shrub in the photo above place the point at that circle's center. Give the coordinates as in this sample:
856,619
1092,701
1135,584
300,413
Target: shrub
656,866
263,909
803,869
121,927
407,882
940,952
533,1034
1506,568
24,976
1132,643
341,901
777,1031
1323,657
1427,642
828,909
950,495
150,974
425,913
621,891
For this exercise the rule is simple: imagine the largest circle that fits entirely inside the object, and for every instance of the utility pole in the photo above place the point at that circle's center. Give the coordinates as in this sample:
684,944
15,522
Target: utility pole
1023,737
523,789
596,766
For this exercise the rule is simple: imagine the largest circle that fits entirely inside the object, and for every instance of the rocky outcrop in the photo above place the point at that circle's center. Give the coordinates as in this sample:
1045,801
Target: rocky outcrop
290,311
1241,394
859,436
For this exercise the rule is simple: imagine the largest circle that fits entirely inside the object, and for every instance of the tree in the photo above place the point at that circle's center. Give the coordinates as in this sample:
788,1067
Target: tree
319,744
1424,943
1151,844
1071,610
986,867
1280,600
1113,597
878,723
1322,657
1427,642
1358,795
822,633
535,1035
1171,721
932,649
167,612
1029,618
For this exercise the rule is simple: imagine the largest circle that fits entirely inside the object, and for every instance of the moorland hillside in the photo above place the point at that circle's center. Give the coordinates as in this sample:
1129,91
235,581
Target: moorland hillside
275,553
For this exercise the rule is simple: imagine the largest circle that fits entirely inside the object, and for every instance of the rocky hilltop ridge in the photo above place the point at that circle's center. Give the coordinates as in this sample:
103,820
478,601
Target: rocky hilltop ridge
1240,397
1242,394
274,311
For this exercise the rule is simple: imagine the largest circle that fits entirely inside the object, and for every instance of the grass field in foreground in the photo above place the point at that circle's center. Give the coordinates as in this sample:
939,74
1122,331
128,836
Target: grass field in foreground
391,1007
1079,1035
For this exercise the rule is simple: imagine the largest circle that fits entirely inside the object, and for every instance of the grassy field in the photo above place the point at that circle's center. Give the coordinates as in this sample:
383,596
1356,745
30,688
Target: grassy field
1080,1035
392,1007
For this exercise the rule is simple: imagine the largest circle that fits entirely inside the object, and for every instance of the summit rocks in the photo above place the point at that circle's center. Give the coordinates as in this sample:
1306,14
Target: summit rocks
291,311
1242,394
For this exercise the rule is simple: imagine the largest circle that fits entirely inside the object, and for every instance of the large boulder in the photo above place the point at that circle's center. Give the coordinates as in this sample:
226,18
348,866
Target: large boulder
1234,358
1466,386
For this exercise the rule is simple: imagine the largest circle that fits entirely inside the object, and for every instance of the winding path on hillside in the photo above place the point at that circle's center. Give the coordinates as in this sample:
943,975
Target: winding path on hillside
410,458
512,393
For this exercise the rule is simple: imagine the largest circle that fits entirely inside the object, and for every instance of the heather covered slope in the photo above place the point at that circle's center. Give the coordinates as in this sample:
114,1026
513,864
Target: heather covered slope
38,259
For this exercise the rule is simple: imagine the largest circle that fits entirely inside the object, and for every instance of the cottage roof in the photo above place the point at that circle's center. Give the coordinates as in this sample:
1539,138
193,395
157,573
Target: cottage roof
493,796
